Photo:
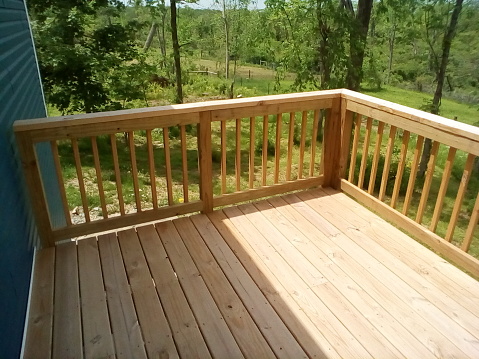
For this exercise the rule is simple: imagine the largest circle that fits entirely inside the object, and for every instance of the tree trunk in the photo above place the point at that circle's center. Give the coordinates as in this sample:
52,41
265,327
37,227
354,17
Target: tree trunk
149,40
176,53
357,38
323,48
446,48
227,41
161,36
392,40
440,77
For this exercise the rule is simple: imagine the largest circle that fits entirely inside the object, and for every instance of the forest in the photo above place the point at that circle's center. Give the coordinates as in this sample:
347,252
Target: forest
108,55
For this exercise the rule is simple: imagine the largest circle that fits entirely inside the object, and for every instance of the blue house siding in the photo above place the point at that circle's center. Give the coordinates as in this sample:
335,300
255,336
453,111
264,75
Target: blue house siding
20,98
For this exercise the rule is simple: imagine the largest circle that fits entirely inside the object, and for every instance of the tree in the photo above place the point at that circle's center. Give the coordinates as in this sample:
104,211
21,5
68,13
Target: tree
319,34
231,11
397,16
176,53
158,12
331,36
80,50
446,48
440,77
357,40
226,24
311,41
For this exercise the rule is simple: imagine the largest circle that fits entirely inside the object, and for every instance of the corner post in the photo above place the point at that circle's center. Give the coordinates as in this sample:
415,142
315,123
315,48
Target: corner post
35,188
332,145
204,153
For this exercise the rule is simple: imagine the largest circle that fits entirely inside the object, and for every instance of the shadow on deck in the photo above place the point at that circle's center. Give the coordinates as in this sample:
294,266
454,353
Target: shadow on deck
310,274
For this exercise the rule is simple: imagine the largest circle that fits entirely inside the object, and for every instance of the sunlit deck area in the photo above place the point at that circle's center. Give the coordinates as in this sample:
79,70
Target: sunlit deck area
309,274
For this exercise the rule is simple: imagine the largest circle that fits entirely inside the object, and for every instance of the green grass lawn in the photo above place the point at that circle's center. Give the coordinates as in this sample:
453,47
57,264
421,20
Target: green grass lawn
465,113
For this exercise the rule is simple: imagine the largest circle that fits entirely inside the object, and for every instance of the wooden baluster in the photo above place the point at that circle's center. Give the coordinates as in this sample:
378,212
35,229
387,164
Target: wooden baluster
238,155
471,227
314,137
354,150
81,183
61,182
277,149
346,129
205,161
184,163
99,180
264,163
290,146
387,163
412,175
364,160
169,180
377,154
401,165
151,165
304,120
443,189
322,128
114,153
460,197
251,151
134,170
223,156
427,182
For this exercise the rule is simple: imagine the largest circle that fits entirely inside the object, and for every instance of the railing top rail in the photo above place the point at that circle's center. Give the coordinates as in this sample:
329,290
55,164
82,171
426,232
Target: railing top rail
437,122
161,111
440,123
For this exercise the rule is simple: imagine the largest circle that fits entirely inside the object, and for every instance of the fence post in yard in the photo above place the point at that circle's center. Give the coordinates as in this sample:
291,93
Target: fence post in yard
205,161
332,145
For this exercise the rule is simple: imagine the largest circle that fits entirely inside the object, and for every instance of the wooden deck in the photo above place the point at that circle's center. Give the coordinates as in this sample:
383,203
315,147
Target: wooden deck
312,274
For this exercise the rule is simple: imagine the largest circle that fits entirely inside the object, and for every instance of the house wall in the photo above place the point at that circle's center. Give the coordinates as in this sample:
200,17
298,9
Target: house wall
21,97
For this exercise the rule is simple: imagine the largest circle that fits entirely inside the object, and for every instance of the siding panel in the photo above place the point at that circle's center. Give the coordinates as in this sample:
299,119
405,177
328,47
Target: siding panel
20,98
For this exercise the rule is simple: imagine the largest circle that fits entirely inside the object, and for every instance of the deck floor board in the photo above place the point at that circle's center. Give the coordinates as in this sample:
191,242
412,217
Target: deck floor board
123,318
153,323
310,274
98,340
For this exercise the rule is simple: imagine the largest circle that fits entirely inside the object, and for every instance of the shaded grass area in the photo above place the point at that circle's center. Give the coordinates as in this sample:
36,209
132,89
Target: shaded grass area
271,129
108,176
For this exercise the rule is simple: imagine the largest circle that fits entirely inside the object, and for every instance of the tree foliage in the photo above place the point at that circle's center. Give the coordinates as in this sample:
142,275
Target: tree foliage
326,40
100,55
87,57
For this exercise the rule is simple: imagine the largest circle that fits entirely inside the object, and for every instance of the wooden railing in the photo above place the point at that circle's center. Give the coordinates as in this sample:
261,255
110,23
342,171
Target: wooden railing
127,167
380,169
122,168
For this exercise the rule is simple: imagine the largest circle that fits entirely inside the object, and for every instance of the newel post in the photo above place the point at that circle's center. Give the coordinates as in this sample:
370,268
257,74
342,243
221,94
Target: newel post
205,161
332,145
36,192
